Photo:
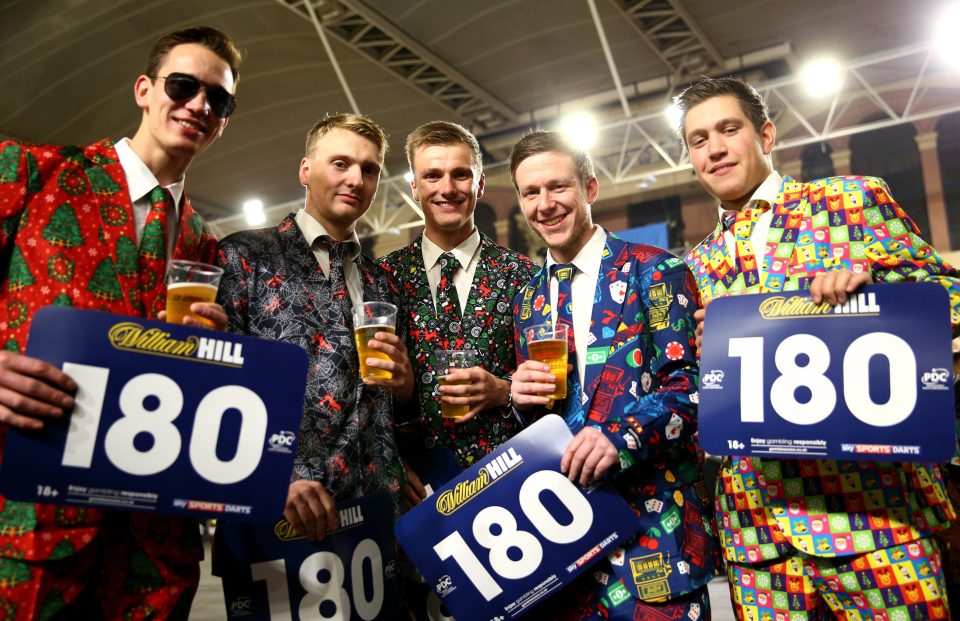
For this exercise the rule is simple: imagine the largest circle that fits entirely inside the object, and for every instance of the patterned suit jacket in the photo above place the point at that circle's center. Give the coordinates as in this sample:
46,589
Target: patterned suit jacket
67,238
273,288
641,392
487,328
826,507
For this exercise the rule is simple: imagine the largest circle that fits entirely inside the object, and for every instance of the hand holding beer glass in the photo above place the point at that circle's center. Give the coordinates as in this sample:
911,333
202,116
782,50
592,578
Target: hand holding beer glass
189,282
448,360
368,319
547,343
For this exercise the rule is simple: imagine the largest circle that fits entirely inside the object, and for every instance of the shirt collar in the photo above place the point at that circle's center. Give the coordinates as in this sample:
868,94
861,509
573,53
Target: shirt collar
463,252
312,230
767,192
140,179
589,258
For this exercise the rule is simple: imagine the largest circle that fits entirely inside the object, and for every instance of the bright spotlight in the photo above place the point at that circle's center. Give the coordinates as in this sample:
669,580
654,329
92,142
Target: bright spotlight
408,176
674,115
821,77
580,129
945,37
253,209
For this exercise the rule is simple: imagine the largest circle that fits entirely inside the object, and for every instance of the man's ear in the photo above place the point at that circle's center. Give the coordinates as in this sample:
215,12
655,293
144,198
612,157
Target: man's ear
480,186
141,91
304,171
768,137
593,190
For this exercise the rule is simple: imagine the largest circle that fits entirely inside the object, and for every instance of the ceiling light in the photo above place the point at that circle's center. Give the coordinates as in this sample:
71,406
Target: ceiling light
580,130
821,77
945,35
253,209
674,115
408,176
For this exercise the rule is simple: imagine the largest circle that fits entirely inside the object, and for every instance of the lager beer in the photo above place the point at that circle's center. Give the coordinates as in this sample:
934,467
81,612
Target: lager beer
361,336
449,410
554,353
182,294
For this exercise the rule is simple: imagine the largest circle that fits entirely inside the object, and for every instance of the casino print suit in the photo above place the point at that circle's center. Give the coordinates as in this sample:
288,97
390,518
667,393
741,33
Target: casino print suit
826,507
640,390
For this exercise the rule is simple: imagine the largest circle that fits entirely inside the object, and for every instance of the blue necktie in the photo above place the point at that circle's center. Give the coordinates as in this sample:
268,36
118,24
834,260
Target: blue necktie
573,405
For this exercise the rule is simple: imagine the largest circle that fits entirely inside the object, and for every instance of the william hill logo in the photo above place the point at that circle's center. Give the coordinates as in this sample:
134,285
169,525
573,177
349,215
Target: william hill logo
780,307
465,491
130,336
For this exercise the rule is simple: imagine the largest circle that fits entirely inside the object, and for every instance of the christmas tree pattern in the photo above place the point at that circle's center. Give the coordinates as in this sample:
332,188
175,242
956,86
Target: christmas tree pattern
51,606
16,313
142,576
112,214
12,345
63,549
101,183
63,300
151,244
61,268
73,154
103,160
10,163
12,573
73,181
34,183
8,610
63,230
103,284
126,256
17,518
19,275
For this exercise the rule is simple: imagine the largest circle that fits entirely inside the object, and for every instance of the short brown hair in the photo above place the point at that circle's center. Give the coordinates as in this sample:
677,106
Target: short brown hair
538,142
704,88
442,133
210,38
356,123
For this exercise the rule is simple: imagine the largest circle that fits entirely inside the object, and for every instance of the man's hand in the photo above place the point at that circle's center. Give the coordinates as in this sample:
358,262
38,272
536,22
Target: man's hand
475,387
834,287
214,317
310,509
31,390
401,382
588,456
413,490
532,383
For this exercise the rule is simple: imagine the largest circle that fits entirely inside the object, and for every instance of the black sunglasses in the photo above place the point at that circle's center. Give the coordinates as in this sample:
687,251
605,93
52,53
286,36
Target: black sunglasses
181,87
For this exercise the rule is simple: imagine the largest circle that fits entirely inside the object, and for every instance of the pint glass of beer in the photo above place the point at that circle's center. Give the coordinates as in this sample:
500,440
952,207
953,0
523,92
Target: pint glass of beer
189,282
547,343
368,319
447,360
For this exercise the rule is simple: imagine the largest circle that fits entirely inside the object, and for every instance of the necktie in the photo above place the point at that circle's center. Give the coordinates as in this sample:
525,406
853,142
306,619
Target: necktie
448,301
741,224
152,254
573,405
339,293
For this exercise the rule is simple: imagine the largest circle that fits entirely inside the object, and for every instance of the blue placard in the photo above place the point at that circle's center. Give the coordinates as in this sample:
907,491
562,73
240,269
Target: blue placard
511,530
870,379
272,573
169,419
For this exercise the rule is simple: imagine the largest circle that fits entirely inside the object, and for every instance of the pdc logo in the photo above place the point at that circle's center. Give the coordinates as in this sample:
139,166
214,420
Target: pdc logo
282,441
712,380
935,379
241,607
444,585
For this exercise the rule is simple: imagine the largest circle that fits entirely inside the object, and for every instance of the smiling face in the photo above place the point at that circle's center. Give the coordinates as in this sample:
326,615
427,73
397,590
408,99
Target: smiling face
555,203
729,156
172,133
341,175
447,183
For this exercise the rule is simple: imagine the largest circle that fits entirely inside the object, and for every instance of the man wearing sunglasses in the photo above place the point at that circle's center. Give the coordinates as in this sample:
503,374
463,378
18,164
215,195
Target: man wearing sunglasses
93,227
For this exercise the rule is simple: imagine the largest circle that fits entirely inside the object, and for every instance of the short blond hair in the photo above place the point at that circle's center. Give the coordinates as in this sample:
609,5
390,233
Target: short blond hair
356,123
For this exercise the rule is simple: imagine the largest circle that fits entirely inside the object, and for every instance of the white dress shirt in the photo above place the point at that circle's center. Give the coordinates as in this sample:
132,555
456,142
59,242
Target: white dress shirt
140,181
583,287
768,192
468,256
312,231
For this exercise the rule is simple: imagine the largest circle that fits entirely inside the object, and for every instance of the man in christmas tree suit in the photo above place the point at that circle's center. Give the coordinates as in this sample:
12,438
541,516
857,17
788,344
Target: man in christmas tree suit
89,227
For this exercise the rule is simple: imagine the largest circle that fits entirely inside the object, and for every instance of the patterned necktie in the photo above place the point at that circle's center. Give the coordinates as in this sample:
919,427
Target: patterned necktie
741,224
573,405
152,254
340,295
448,301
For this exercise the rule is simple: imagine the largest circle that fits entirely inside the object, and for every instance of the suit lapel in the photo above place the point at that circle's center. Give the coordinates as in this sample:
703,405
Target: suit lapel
483,299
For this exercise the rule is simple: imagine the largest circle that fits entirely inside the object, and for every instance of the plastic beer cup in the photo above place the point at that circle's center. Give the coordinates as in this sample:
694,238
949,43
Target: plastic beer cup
547,343
368,319
447,360
189,282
